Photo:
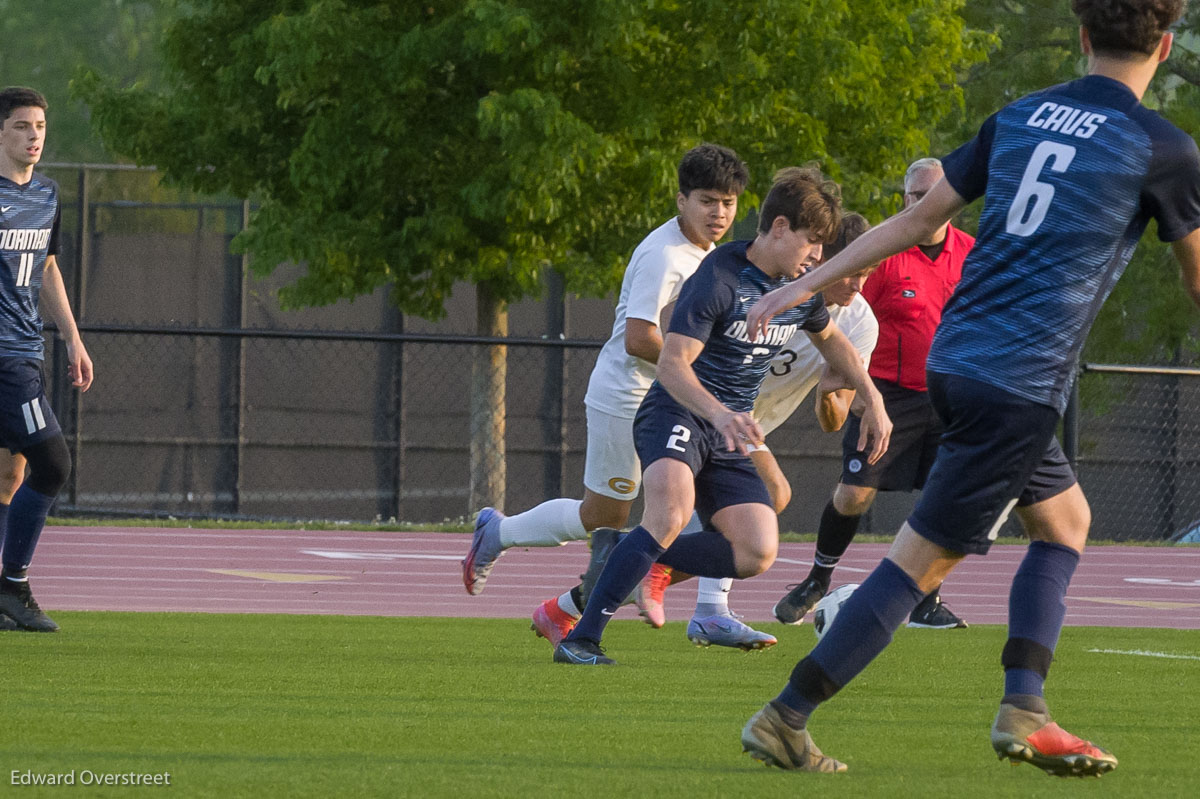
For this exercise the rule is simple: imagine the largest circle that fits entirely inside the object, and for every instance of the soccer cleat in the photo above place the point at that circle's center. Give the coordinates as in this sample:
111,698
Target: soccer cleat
7,624
649,595
485,549
727,630
581,653
552,622
932,614
18,604
1025,736
603,541
797,602
768,739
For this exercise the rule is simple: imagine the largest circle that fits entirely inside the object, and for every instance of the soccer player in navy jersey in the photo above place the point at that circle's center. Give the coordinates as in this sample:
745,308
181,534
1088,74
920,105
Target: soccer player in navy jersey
694,428
1072,175
29,224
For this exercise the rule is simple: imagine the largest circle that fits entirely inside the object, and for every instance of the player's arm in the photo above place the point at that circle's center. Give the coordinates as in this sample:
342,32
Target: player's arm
895,234
676,375
56,308
768,469
844,359
643,339
1187,252
834,398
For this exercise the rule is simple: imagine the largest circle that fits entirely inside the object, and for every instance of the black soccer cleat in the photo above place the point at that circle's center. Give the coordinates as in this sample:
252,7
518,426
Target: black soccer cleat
932,614
7,624
18,604
799,601
581,653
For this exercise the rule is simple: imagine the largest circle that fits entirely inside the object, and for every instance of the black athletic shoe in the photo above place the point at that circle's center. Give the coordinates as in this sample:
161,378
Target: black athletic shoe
799,601
7,624
932,614
17,602
581,653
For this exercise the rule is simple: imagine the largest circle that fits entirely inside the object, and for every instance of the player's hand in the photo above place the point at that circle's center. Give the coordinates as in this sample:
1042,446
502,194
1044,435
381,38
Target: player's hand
79,365
772,304
875,431
740,431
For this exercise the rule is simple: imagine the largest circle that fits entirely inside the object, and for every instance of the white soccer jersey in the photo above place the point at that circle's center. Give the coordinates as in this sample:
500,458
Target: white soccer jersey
657,270
798,367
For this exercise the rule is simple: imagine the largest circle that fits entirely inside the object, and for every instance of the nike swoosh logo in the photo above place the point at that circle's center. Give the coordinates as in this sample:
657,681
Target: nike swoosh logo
4,210
607,612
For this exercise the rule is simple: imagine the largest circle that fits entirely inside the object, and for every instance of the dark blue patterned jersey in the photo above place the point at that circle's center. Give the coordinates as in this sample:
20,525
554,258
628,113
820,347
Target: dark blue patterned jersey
1072,175
29,217
712,308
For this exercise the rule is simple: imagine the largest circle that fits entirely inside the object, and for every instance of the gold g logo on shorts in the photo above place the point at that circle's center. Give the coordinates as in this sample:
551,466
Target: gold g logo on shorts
622,485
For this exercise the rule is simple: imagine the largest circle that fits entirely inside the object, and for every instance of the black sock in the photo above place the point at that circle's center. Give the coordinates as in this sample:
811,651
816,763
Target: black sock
833,539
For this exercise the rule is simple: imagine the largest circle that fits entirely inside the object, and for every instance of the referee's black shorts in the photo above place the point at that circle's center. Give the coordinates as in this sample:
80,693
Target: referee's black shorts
916,430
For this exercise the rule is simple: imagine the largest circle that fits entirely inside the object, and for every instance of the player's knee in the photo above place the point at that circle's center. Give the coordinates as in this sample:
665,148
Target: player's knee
10,481
755,559
852,500
49,466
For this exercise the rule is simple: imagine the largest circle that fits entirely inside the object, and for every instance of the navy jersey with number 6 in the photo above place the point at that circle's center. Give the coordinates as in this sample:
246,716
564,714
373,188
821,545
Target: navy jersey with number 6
29,217
712,308
1072,175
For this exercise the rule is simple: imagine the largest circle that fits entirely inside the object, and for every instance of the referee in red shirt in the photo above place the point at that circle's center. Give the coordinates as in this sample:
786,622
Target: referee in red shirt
907,294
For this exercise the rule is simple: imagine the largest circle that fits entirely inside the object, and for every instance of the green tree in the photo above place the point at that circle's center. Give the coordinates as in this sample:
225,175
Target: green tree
415,145
43,43
1148,318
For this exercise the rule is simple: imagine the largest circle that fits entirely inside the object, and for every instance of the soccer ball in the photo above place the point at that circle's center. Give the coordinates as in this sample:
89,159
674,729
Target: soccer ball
829,607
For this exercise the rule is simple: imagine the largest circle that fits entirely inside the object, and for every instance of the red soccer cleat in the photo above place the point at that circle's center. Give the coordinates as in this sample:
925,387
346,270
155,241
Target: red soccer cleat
1024,736
649,595
552,622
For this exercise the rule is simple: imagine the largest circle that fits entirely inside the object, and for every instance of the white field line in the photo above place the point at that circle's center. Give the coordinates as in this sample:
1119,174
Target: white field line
1144,653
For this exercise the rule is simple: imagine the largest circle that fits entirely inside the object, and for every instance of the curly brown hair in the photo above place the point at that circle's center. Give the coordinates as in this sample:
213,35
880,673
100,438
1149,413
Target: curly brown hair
1122,27
807,199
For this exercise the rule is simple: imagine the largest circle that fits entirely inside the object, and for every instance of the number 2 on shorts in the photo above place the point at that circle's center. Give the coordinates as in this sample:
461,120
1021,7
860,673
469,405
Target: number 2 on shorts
681,436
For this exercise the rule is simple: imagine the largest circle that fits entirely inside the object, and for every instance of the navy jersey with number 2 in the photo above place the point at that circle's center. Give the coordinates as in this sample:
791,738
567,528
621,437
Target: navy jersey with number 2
712,308
1072,175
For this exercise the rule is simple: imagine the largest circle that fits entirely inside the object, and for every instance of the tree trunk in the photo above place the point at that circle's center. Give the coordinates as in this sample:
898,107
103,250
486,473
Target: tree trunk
489,370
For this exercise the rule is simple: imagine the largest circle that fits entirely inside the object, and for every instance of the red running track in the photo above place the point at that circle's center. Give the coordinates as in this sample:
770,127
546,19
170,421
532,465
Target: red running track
417,574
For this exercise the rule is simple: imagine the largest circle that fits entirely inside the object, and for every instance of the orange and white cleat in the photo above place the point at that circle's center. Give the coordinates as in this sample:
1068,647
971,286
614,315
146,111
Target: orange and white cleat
649,595
1025,736
552,622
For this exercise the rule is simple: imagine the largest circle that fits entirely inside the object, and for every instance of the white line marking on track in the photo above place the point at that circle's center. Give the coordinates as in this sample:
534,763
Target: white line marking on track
321,553
809,563
1144,653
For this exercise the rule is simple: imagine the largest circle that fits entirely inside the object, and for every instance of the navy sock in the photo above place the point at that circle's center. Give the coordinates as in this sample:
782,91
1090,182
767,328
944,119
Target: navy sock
26,518
862,630
1036,609
703,554
629,562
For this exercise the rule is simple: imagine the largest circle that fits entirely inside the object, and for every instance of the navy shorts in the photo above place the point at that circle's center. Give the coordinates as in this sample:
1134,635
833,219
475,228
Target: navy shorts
25,415
916,431
665,429
998,450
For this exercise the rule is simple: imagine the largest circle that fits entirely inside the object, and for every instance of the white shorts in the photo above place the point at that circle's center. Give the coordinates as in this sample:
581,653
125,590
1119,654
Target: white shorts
612,468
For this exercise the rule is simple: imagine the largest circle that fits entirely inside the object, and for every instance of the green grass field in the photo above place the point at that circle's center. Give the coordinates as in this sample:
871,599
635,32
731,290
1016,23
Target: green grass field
363,706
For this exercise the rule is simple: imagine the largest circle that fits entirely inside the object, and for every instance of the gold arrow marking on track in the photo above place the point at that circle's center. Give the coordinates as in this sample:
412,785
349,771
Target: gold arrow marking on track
1141,603
279,577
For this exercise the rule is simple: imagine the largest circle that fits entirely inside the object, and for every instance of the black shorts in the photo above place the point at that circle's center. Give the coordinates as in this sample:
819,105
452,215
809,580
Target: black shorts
998,450
25,415
665,429
916,431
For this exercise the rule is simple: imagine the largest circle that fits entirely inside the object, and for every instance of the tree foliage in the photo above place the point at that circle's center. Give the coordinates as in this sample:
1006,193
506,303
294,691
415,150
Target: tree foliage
415,145
41,43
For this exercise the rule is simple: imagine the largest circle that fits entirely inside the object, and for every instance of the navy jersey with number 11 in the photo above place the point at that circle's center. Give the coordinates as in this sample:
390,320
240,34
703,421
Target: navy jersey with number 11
29,217
1072,175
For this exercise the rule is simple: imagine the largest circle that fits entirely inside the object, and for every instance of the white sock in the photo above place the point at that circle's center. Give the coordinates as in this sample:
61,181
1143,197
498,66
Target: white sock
567,604
551,524
712,594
